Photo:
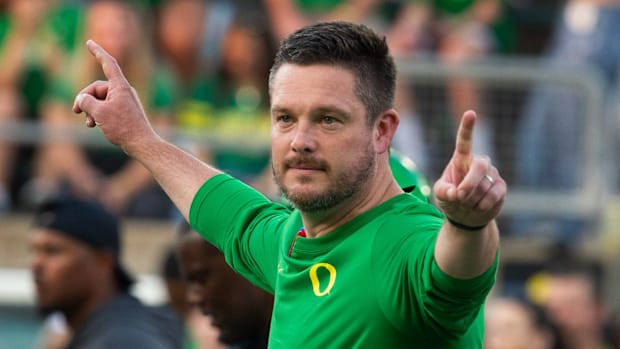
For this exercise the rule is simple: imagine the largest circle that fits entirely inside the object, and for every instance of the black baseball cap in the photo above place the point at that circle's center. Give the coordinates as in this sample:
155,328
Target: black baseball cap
86,221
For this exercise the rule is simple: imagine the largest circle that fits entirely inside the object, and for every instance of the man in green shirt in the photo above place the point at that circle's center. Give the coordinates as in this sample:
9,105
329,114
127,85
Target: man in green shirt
358,263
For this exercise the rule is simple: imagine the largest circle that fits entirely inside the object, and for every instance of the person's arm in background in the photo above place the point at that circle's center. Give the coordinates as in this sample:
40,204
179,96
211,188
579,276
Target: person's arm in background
114,106
286,17
26,18
471,194
410,27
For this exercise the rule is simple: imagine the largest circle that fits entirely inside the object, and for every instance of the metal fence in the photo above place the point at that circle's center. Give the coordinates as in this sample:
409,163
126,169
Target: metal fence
506,89
504,86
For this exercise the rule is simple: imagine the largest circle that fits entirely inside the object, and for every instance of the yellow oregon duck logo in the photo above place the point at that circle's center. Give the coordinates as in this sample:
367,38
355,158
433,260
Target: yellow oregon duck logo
316,283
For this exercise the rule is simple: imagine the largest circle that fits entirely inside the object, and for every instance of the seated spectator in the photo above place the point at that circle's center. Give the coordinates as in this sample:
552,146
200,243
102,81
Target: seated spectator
65,166
77,271
32,50
550,137
231,105
188,37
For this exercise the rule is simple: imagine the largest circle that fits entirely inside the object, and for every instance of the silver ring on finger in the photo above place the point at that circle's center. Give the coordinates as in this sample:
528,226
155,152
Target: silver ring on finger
489,178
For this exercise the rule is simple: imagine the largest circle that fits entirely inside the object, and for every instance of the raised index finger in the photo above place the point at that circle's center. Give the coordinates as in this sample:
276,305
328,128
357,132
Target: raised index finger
111,69
463,153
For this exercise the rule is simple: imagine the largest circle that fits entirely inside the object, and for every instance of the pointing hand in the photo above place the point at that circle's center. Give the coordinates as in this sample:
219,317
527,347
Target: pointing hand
470,191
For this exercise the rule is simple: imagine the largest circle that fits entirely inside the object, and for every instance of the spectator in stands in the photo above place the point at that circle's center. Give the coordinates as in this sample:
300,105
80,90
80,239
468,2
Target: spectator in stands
550,138
232,105
465,35
63,165
455,32
240,310
286,16
574,304
76,267
511,323
31,51
188,36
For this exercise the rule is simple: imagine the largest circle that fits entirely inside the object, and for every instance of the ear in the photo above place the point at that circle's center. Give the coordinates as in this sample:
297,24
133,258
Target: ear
105,262
384,130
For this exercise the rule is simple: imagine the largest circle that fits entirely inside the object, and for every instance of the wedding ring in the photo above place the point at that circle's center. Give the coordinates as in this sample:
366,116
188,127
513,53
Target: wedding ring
489,178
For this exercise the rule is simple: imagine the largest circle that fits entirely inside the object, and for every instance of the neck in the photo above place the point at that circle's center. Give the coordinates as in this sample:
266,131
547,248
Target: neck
381,189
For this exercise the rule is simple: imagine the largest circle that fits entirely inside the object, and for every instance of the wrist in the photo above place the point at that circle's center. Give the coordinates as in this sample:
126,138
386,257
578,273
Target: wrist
465,227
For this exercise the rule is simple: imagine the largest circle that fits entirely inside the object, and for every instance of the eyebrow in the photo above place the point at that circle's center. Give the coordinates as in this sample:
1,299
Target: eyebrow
279,110
326,109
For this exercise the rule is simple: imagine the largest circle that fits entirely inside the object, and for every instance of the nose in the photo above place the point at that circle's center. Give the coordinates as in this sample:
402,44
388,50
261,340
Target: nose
36,262
194,295
303,140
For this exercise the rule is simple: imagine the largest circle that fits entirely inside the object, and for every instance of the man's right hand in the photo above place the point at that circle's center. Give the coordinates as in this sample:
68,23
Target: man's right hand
113,105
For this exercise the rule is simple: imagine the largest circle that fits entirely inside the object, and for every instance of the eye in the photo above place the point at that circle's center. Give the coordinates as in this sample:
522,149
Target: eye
284,118
51,250
328,120
197,277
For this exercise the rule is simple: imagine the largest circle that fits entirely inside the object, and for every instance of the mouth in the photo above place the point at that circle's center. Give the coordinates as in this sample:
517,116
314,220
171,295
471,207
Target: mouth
206,311
304,170
305,165
38,286
216,322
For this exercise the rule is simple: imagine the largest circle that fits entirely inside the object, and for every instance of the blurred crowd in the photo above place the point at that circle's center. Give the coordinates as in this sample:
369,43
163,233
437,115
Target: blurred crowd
201,68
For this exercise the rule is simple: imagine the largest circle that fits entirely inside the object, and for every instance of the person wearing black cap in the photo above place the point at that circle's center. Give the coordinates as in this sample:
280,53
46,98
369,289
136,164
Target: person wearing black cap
77,271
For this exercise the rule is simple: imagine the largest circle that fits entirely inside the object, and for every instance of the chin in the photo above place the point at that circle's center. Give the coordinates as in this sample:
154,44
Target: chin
227,338
45,310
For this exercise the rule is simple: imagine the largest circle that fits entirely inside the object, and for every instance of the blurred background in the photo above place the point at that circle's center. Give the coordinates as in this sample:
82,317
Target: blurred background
543,76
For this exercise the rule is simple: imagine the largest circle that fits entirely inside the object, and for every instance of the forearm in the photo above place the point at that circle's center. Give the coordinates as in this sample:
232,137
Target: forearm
13,58
284,16
465,254
178,173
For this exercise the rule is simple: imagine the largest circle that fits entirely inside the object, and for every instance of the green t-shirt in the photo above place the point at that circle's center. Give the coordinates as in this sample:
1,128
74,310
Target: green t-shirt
371,283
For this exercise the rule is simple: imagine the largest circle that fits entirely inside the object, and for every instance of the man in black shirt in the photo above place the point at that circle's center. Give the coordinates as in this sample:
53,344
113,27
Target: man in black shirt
76,268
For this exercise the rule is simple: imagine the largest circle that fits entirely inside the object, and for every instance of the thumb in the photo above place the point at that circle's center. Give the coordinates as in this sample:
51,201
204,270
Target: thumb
85,103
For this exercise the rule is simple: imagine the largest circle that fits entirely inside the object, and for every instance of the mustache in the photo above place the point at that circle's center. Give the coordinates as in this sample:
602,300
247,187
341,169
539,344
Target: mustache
305,162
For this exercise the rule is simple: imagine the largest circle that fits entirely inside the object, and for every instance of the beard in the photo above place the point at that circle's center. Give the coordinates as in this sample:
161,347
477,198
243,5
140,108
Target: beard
345,185
44,311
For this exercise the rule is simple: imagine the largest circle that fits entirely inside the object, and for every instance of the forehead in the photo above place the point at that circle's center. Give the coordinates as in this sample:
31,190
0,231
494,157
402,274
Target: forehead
507,309
46,236
326,84
194,248
573,285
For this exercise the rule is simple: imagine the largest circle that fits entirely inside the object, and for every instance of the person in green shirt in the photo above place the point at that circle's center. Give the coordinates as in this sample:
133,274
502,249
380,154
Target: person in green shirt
65,167
358,263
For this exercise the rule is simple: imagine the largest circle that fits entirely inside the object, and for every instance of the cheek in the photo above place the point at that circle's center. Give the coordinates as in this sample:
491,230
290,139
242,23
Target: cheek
278,152
66,280
62,269
279,140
